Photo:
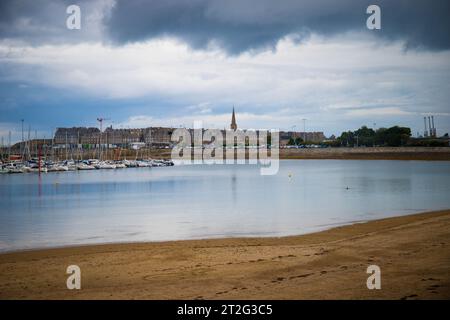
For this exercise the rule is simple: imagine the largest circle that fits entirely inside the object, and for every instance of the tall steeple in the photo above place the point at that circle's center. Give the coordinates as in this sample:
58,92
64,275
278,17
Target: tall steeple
233,125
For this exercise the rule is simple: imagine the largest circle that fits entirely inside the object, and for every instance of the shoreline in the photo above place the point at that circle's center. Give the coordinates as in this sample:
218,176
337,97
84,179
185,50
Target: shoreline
323,228
219,238
341,153
370,153
411,250
344,153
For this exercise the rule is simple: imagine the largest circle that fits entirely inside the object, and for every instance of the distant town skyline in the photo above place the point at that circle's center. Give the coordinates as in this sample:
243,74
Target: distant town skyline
148,64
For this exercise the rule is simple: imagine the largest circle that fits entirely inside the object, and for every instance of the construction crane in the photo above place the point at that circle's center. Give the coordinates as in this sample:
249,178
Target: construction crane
100,137
101,122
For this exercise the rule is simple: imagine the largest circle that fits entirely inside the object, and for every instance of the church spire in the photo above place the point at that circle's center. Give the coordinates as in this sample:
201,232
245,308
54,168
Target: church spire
233,125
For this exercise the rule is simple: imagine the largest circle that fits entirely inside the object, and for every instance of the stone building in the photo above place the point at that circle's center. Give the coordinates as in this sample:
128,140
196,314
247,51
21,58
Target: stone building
153,136
158,136
122,137
77,135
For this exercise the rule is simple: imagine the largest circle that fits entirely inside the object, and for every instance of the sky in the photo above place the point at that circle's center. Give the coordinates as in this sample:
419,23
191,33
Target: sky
169,63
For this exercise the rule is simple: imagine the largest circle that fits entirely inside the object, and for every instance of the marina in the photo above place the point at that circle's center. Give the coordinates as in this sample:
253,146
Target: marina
40,166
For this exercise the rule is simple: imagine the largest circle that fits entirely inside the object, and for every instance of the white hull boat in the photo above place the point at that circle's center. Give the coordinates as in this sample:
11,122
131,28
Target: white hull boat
104,165
83,166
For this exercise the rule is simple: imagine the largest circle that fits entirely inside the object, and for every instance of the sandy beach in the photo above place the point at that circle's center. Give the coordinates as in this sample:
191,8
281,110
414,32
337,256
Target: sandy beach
412,252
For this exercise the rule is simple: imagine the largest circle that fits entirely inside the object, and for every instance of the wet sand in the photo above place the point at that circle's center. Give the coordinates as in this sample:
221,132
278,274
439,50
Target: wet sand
412,251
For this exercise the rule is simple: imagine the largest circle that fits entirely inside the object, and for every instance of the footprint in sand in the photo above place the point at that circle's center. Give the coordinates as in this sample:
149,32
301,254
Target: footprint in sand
433,287
301,276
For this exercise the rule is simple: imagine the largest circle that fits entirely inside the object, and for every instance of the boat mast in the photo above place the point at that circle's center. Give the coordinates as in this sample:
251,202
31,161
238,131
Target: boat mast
66,145
26,149
35,142
9,146
53,150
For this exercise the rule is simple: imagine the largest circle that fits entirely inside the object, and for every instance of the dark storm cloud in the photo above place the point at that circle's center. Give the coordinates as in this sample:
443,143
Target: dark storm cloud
234,25
240,25
44,21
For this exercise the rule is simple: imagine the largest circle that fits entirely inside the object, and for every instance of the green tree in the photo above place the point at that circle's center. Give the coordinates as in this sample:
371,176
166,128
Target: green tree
298,141
366,136
347,139
394,137
291,142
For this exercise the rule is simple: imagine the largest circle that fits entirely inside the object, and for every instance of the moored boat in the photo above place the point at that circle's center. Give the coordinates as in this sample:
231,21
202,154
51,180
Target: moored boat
3,169
105,165
84,166
120,165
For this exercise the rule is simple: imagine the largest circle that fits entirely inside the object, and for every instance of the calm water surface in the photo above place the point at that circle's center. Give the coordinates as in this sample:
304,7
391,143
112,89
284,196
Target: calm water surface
187,202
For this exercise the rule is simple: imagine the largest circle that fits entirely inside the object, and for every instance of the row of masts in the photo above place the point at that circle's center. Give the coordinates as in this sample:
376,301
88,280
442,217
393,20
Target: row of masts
9,146
27,145
48,150
100,152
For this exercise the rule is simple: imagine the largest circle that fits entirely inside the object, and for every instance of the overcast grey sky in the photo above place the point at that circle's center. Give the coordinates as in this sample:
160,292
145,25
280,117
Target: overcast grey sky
145,63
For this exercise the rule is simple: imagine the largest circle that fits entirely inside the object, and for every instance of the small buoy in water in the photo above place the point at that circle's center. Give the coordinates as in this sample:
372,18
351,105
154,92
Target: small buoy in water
347,188
290,175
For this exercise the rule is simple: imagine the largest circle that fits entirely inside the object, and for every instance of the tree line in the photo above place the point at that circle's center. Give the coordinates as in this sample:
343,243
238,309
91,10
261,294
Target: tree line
395,136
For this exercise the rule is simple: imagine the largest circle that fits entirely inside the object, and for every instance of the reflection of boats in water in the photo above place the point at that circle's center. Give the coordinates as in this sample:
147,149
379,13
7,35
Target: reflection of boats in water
37,169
